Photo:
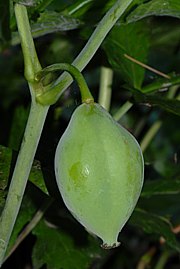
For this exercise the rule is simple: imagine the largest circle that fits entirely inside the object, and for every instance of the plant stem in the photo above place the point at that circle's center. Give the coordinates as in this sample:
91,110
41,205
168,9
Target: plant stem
146,258
31,62
89,50
31,137
21,173
75,73
162,260
105,90
122,110
150,134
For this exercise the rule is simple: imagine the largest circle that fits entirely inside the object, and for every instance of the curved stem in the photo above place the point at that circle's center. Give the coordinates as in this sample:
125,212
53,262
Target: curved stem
75,73
105,90
89,50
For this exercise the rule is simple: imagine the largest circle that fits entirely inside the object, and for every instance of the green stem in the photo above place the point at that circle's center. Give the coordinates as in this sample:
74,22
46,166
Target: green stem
146,258
162,260
88,52
150,134
21,173
75,73
31,137
31,62
105,90
122,110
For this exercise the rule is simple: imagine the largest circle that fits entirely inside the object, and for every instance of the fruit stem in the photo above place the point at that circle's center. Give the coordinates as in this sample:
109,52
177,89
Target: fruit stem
84,57
75,73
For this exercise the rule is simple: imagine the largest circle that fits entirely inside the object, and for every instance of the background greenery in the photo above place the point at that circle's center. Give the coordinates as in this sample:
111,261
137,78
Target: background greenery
149,31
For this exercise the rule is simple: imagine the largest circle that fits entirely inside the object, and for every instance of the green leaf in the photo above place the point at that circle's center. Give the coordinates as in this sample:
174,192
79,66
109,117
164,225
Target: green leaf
156,8
165,34
5,161
42,4
89,10
133,40
161,187
36,176
161,83
57,249
154,224
49,22
19,120
170,105
79,8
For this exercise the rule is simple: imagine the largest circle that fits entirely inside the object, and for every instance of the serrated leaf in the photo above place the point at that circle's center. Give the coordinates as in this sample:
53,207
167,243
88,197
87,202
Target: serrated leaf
161,187
133,40
57,249
49,22
170,105
155,8
154,224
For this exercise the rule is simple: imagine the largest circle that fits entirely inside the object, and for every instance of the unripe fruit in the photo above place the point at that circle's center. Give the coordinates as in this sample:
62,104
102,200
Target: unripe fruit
99,171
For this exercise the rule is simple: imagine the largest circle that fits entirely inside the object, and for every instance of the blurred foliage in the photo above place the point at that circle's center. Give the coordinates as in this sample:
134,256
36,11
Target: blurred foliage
148,31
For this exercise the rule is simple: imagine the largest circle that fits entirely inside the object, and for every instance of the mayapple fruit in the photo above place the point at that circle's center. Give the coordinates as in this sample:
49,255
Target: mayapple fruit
99,171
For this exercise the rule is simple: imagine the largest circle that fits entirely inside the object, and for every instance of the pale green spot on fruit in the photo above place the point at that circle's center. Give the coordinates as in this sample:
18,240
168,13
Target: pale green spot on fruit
78,173
99,172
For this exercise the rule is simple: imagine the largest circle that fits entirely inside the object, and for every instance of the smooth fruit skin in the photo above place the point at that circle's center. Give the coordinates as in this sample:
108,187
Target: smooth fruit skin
99,171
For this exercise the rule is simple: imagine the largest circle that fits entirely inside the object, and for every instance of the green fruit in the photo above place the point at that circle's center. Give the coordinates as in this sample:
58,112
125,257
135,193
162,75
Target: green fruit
99,170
